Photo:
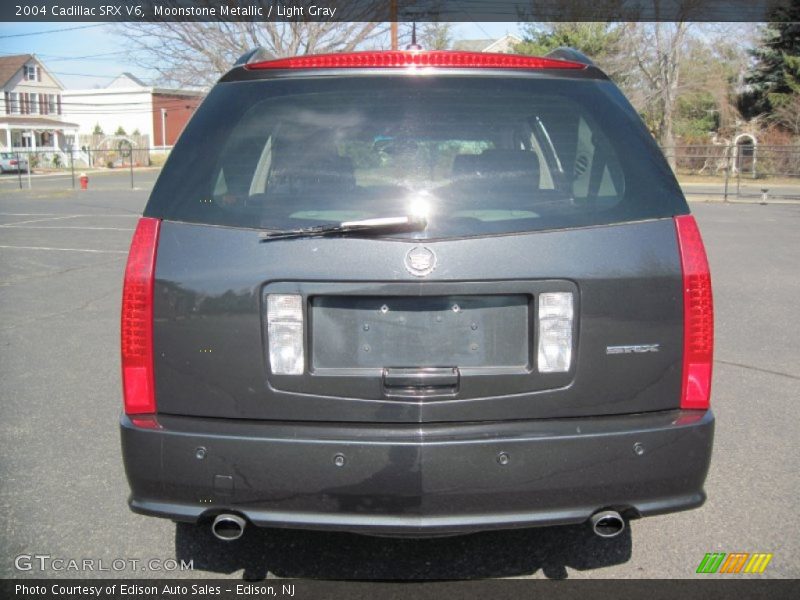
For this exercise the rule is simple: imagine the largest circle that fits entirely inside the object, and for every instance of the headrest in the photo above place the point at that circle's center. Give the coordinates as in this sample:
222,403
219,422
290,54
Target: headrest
312,172
498,165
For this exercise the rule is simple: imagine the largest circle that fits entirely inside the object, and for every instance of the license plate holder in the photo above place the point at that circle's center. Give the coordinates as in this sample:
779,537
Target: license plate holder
420,331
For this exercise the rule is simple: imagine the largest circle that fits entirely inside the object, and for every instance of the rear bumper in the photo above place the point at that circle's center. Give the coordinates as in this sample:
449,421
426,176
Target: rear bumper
418,479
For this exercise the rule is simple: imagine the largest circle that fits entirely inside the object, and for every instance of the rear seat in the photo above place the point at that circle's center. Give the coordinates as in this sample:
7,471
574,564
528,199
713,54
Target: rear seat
516,168
301,175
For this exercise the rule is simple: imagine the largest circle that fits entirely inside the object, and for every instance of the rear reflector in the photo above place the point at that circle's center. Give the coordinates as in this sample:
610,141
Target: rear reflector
555,332
138,384
146,422
698,316
400,59
285,334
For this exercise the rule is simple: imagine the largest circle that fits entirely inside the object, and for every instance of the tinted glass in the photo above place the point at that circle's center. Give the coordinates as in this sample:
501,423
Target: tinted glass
476,155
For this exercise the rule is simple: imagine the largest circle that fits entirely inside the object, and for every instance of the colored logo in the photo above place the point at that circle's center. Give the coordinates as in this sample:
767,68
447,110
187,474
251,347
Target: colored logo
735,562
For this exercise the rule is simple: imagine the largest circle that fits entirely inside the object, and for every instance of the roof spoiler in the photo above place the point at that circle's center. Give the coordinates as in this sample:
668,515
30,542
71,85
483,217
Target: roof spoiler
257,54
571,55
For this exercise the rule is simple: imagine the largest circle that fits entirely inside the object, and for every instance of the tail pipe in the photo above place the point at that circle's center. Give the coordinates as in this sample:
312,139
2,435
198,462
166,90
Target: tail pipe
227,527
607,523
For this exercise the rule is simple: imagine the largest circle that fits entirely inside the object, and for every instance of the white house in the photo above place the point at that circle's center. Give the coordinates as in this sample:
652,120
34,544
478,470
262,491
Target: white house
160,114
31,115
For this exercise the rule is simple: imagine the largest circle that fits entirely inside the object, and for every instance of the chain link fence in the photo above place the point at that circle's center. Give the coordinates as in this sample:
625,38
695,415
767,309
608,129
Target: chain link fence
733,172
63,169
738,171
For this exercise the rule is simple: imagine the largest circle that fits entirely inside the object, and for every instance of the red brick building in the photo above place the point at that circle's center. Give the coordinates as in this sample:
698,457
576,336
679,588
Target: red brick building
176,108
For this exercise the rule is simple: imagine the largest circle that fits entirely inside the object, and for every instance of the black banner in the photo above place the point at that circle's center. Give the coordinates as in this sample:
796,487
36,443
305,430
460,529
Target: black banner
300,589
394,10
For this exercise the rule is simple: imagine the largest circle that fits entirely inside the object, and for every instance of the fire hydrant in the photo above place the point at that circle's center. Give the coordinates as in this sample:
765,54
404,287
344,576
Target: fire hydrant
84,179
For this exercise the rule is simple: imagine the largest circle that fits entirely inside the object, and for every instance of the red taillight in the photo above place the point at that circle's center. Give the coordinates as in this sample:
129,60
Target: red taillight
412,58
698,316
137,320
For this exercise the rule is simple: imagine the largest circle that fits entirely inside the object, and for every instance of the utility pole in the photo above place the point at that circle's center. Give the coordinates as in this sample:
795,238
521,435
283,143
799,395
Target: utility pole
393,17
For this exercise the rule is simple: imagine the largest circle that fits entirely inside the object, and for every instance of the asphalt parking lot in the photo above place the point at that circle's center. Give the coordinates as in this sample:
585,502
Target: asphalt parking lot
63,491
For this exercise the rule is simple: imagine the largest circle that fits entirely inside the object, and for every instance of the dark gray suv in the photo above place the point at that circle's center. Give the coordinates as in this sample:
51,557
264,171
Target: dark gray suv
416,293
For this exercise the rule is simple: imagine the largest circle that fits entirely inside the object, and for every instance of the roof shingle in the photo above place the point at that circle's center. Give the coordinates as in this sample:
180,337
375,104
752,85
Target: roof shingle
9,65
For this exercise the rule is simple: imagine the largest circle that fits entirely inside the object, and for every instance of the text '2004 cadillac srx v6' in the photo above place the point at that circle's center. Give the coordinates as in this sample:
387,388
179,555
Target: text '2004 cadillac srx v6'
416,293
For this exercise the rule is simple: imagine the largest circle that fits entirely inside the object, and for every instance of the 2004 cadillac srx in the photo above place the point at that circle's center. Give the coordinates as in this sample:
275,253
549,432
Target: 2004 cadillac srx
416,293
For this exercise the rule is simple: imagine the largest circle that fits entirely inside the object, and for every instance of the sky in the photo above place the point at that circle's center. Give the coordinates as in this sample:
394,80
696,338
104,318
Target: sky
88,55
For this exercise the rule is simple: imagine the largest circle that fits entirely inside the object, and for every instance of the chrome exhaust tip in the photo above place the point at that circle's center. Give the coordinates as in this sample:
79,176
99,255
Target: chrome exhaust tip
607,523
227,527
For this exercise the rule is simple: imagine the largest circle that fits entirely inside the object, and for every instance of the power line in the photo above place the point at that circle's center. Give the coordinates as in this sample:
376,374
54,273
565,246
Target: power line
87,75
49,56
69,114
15,35
479,26
120,105
103,56
66,114
106,105
78,110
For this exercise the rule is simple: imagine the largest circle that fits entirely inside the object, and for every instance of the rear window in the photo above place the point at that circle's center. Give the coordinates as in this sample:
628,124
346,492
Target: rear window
475,155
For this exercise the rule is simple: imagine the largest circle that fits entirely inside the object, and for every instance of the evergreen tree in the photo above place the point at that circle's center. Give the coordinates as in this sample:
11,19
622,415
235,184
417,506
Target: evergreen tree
601,42
595,40
775,77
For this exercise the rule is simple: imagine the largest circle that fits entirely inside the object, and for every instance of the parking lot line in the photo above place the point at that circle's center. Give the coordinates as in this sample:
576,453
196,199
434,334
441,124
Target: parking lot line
67,227
39,220
30,214
129,215
66,249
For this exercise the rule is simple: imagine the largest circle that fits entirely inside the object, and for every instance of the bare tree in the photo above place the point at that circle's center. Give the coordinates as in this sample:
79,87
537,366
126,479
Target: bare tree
196,54
716,63
436,36
658,50
430,35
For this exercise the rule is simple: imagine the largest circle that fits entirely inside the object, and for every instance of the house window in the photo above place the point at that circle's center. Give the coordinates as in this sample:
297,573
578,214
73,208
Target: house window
13,103
51,104
20,139
34,103
29,72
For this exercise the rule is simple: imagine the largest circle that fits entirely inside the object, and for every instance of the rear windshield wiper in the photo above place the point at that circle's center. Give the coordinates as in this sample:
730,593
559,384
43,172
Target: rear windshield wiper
364,226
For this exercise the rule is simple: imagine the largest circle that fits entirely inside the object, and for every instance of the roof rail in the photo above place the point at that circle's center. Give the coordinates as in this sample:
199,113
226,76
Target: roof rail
570,54
257,54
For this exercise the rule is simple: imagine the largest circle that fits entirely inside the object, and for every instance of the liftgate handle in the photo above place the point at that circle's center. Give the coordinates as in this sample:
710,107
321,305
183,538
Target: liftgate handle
427,381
